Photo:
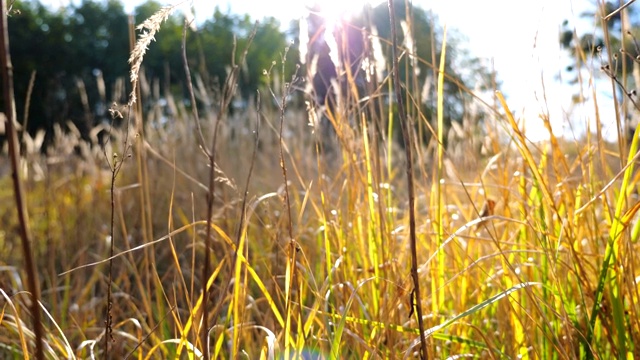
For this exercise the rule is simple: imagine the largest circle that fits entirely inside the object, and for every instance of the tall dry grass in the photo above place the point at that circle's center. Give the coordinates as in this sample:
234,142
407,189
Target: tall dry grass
319,265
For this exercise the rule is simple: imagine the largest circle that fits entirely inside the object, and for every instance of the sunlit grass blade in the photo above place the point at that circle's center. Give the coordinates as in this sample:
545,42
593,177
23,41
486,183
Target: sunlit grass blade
16,325
473,310
437,200
610,278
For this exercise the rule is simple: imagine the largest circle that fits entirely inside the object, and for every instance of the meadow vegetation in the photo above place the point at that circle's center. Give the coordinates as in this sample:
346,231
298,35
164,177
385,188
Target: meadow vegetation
191,231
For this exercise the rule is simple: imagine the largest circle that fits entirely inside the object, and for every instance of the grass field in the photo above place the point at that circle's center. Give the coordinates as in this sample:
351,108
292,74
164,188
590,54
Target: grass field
306,252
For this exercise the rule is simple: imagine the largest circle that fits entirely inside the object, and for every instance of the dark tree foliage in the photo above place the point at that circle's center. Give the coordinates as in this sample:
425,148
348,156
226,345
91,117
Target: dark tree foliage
64,48
70,49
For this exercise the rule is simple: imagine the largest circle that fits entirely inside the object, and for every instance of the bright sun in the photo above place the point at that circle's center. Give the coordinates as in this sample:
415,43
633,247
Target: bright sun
333,13
334,10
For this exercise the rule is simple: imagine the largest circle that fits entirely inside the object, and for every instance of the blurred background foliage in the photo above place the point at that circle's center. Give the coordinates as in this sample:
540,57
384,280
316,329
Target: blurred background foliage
77,58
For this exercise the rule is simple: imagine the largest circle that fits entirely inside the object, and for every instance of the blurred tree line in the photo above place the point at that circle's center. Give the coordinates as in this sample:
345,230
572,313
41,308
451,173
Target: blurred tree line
77,58
620,41
616,52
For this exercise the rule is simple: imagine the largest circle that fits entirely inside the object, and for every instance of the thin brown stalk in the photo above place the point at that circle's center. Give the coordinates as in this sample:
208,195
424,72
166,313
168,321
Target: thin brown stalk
282,109
406,128
293,246
210,188
228,91
27,103
18,191
616,101
194,108
245,194
115,165
616,11
144,196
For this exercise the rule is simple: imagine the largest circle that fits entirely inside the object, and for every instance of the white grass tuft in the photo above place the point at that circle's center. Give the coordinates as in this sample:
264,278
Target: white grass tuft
149,29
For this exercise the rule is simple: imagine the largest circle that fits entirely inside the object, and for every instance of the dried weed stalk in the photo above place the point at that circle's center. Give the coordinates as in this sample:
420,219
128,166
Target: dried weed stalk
18,191
149,29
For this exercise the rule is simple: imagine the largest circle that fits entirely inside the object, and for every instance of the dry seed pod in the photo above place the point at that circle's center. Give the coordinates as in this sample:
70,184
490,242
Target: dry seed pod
487,210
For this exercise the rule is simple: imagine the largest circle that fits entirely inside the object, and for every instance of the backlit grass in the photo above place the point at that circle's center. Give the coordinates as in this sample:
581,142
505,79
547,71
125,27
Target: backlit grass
319,266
